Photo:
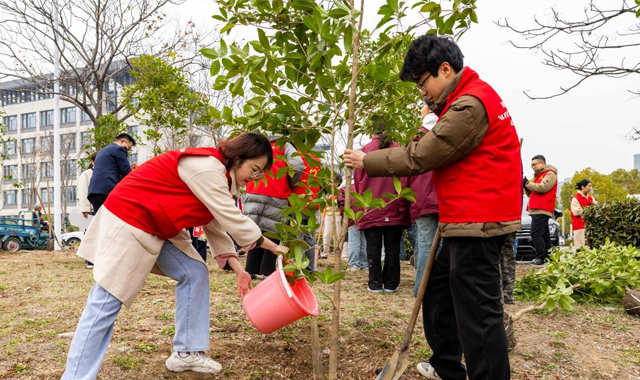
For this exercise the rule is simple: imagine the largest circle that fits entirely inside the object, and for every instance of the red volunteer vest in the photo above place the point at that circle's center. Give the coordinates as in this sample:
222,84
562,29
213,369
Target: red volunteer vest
576,221
486,185
154,199
544,201
276,188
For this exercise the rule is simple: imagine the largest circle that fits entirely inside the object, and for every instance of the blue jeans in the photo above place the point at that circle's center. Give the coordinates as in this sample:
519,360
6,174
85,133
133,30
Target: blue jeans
357,249
426,226
95,327
411,233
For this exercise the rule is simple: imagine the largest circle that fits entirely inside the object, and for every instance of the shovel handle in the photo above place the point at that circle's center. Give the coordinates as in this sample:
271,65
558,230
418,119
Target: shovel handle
423,287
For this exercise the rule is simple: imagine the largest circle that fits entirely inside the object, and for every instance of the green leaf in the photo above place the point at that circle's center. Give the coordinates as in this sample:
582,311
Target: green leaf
215,68
264,41
209,53
397,185
338,13
349,213
224,50
227,28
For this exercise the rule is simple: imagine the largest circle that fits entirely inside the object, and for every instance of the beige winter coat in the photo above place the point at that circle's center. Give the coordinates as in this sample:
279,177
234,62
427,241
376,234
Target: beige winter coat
124,255
83,191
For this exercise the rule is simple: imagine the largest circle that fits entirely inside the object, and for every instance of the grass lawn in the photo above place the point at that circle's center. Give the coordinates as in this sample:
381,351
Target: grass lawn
43,293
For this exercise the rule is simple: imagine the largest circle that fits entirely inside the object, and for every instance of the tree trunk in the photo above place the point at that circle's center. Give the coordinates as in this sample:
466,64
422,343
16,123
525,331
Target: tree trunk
335,322
316,350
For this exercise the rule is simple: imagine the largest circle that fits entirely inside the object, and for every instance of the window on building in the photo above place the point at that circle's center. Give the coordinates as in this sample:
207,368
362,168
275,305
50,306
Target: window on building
68,115
28,198
133,130
68,142
70,169
28,121
11,198
86,139
10,148
71,194
133,158
28,146
85,116
10,172
44,194
46,118
11,123
47,169
29,171
46,144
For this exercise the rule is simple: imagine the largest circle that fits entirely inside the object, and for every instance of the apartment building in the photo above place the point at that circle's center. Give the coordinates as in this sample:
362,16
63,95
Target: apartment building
28,122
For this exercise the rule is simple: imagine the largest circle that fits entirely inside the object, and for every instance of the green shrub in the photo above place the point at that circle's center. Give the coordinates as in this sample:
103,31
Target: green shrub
599,274
619,221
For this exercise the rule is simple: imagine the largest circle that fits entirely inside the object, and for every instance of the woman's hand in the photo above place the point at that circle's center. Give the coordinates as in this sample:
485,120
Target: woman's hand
281,250
244,283
354,158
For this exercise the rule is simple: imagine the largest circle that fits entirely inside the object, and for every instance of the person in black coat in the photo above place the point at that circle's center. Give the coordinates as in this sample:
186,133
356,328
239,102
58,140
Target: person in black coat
110,167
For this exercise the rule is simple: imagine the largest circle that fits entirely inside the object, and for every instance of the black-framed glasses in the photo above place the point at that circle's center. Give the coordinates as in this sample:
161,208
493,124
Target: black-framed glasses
420,85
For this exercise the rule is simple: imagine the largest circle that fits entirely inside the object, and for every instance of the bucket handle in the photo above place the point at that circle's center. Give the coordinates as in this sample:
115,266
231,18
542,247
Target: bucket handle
283,277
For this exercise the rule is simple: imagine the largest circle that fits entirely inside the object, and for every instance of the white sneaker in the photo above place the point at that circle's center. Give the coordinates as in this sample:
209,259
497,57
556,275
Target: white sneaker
427,371
192,361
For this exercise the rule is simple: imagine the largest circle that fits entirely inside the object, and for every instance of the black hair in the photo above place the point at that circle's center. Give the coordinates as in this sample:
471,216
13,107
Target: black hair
583,183
126,136
379,125
539,157
245,146
337,177
427,53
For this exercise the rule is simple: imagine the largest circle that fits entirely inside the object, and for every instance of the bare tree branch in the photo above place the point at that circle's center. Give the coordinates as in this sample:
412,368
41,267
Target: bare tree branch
595,50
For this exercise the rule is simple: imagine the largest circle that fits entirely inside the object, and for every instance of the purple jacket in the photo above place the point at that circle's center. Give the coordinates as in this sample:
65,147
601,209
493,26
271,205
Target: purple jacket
426,197
395,213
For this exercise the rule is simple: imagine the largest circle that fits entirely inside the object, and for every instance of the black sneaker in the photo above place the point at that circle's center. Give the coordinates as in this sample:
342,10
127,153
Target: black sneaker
538,261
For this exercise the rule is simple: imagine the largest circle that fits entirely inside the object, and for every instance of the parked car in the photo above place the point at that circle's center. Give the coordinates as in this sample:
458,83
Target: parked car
72,239
523,244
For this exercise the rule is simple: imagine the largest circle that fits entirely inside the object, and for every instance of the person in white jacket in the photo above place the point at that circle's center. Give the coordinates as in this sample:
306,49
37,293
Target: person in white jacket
84,206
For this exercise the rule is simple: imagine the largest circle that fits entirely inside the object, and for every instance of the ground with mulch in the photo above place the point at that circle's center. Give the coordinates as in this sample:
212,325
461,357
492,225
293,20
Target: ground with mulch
42,295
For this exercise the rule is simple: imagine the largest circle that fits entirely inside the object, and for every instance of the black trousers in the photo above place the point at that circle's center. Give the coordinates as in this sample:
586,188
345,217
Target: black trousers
389,275
261,261
462,310
96,201
540,235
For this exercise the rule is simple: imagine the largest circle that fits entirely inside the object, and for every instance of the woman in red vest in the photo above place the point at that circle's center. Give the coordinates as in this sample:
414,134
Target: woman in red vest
579,201
142,229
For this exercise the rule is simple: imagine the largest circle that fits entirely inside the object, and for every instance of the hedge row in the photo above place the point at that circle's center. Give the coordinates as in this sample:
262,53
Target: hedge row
619,221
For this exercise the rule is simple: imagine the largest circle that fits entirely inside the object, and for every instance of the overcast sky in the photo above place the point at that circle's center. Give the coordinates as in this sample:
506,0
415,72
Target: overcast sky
589,126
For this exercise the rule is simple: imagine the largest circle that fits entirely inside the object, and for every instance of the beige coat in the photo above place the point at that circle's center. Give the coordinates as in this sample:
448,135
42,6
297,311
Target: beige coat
124,255
83,191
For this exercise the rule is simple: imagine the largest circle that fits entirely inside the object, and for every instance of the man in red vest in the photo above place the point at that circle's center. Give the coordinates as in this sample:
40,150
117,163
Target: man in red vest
474,154
542,199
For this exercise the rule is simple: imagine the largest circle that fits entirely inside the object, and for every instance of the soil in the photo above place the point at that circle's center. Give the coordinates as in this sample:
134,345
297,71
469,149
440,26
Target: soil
43,293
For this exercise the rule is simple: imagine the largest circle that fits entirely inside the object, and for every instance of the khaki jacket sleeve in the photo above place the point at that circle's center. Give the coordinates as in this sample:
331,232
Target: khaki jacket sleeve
545,185
458,132
219,241
576,209
206,178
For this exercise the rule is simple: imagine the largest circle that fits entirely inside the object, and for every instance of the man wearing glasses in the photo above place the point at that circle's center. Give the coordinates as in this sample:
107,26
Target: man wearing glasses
474,153
542,199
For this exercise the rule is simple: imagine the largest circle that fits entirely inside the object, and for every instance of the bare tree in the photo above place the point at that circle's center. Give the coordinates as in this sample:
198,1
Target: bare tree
603,42
95,38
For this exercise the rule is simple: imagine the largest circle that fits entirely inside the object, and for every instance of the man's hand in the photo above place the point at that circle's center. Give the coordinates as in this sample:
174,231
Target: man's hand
134,165
244,283
354,158
86,214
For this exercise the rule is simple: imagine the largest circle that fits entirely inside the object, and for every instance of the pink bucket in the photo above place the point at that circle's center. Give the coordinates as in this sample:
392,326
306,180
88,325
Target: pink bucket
274,304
